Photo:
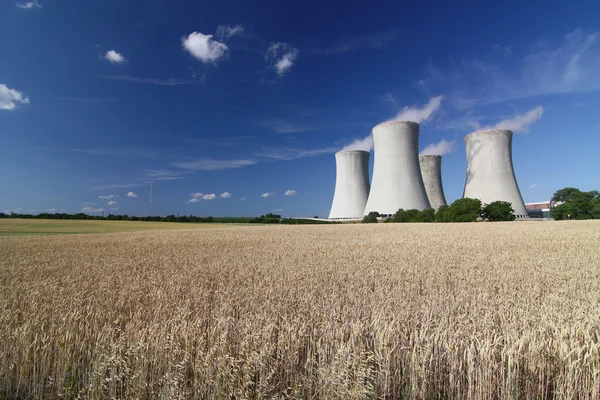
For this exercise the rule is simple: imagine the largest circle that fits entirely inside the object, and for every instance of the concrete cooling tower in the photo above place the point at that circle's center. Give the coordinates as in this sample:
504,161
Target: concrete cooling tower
351,184
490,174
397,181
431,171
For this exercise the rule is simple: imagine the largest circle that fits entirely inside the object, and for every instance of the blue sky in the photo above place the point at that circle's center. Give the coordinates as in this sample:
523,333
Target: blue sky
236,108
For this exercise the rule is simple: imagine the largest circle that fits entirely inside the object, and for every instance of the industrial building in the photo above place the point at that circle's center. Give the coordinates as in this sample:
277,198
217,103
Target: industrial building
539,210
490,174
397,181
431,171
351,184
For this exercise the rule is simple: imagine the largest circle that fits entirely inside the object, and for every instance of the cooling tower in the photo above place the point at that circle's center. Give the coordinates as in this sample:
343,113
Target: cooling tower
490,174
431,171
351,184
397,181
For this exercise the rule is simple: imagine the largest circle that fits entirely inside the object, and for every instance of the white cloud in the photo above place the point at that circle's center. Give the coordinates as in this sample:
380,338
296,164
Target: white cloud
268,194
91,210
242,198
29,4
280,125
132,194
282,56
197,194
163,175
365,144
194,200
438,149
290,193
204,47
533,186
108,197
226,31
209,164
278,210
225,195
117,186
154,81
293,154
420,114
209,196
549,68
111,203
520,123
114,57
10,98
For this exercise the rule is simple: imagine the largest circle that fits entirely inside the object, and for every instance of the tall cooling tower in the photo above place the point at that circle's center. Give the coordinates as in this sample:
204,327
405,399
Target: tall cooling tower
351,184
490,174
431,171
397,181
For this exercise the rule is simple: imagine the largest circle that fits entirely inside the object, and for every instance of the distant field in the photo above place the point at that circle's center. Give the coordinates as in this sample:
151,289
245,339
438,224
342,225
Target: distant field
18,227
358,311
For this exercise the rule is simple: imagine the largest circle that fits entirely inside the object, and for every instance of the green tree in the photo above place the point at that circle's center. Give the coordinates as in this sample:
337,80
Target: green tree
371,218
466,210
577,204
444,214
499,211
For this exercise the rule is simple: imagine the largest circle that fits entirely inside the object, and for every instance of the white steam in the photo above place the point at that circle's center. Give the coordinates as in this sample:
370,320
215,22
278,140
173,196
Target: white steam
438,149
365,144
420,114
520,123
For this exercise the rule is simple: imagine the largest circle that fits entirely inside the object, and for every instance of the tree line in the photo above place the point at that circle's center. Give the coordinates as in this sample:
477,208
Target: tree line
462,210
263,219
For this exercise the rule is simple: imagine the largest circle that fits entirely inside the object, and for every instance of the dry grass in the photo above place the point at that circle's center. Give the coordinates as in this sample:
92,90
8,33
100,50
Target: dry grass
472,311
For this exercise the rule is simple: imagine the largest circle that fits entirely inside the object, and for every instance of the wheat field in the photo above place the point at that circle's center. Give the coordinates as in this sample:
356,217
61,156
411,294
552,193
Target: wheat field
387,311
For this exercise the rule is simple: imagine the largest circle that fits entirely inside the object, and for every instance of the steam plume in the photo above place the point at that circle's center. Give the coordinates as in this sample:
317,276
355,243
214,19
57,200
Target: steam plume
421,114
520,123
438,149
365,143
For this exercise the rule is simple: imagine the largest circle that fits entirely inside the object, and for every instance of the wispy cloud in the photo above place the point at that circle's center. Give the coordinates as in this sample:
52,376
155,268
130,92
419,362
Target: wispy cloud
282,57
280,125
441,148
290,193
112,186
225,195
92,210
208,164
293,154
193,200
204,47
533,186
154,81
420,114
350,43
548,68
227,31
520,123
111,203
163,175
114,57
11,98
29,5
268,194
108,197
132,194
89,99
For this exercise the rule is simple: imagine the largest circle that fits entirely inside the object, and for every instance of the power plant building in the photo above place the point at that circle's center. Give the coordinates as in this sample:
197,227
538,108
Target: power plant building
397,181
431,171
490,174
351,184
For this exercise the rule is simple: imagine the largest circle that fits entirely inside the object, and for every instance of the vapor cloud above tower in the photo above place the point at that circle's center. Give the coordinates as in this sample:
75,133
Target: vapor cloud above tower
414,113
519,123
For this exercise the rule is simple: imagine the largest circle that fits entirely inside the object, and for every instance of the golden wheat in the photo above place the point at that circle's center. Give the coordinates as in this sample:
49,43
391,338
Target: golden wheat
471,311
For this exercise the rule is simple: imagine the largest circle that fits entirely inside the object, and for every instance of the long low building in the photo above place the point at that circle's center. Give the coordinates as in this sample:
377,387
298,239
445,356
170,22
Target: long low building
539,210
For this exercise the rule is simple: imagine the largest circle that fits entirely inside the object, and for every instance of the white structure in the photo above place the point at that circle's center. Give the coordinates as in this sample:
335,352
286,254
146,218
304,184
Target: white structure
397,181
490,174
431,171
351,184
